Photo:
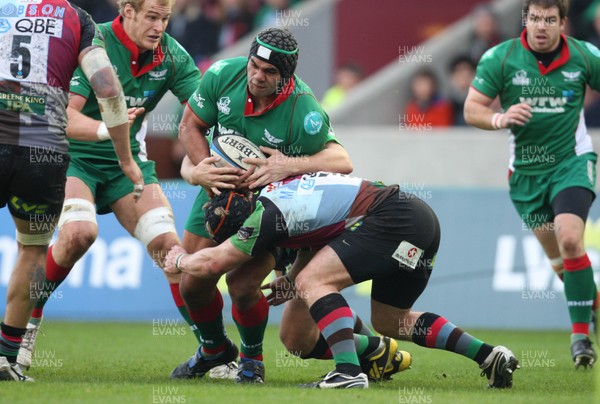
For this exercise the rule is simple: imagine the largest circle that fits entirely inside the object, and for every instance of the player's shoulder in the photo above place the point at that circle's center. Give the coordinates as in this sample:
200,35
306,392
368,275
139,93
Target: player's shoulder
500,51
106,30
227,67
584,48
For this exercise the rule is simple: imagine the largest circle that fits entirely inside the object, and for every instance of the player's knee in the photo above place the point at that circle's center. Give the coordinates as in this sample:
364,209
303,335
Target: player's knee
193,292
571,244
303,282
292,343
241,289
78,226
187,288
78,237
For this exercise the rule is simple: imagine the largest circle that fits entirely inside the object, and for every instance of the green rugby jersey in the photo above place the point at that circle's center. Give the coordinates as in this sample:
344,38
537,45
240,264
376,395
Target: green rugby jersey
145,80
557,129
294,123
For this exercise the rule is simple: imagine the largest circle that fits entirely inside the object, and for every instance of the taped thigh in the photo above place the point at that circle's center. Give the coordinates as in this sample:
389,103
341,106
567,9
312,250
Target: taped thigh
35,239
77,210
153,223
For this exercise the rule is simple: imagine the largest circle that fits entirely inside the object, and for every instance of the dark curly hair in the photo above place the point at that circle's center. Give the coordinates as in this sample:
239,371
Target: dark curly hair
278,47
225,214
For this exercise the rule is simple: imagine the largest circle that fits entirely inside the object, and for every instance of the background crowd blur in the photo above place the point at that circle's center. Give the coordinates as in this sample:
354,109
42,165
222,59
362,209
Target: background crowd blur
205,27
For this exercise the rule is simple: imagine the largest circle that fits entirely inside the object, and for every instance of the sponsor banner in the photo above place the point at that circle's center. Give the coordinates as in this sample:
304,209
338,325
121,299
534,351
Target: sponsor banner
489,272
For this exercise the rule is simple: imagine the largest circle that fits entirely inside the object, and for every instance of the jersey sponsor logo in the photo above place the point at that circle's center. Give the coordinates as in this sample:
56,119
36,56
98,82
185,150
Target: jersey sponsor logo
306,186
271,139
23,103
244,233
520,78
149,94
4,25
223,105
47,26
546,104
135,101
199,100
571,76
11,10
313,123
47,10
408,254
158,75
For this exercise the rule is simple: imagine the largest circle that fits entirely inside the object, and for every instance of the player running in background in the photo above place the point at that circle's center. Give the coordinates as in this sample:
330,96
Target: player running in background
541,79
149,63
356,230
260,98
33,119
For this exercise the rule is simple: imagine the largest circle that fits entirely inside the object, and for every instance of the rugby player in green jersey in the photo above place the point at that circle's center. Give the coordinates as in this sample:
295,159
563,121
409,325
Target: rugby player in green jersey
541,79
262,99
148,63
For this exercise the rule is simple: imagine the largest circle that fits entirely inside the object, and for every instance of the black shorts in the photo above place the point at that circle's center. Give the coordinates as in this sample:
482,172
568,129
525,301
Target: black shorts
32,182
385,246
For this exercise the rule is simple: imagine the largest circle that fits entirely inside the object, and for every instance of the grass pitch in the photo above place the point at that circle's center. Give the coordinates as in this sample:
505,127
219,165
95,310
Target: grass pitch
131,363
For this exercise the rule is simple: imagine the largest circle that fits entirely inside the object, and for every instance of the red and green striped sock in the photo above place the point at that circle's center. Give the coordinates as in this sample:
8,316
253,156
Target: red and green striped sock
180,304
209,322
251,325
580,292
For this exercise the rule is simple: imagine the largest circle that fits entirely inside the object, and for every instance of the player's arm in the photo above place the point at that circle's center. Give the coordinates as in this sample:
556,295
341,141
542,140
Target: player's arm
281,285
207,263
82,127
277,166
192,134
479,114
207,175
109,93
197,167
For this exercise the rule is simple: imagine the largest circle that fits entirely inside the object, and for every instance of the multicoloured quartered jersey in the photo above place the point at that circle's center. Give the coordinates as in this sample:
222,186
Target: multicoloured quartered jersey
307,211
40,43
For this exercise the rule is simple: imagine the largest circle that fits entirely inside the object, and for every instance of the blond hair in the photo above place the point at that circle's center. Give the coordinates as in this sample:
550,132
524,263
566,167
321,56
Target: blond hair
137,4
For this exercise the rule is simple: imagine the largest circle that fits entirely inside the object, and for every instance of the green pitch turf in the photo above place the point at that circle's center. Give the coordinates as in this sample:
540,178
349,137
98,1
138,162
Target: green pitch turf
130,363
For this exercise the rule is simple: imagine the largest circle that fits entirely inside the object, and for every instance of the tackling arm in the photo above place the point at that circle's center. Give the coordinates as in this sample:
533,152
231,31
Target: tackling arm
209,262
333,158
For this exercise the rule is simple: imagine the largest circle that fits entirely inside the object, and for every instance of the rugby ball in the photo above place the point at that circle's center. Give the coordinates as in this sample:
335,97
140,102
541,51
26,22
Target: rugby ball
232,149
